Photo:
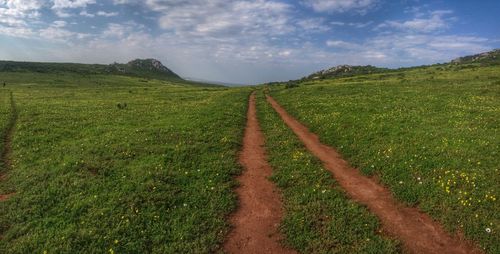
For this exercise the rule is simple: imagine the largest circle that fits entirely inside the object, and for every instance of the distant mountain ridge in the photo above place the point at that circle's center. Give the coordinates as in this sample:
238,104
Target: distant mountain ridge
144,68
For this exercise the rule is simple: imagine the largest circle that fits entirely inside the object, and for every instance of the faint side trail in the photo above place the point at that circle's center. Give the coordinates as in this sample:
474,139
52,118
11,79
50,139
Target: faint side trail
417,231
5,156
257,219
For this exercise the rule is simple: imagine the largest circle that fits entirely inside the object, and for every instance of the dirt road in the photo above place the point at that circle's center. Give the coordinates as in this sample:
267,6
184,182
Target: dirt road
258,217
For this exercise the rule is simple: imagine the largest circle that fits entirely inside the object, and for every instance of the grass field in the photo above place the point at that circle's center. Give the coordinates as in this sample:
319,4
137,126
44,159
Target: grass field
108,164
319,216
115,164
4,119
430,134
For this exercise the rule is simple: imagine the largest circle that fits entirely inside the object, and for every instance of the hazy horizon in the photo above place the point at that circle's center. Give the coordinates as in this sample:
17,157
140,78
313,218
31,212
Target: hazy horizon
247,42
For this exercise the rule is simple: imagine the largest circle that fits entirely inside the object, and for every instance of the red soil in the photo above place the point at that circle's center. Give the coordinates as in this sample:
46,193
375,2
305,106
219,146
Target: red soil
257,219
4,197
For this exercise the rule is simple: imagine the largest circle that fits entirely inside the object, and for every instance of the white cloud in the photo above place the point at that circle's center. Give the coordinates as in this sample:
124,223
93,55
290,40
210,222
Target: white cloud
313,25
220,18
337,23
342,44
116,30
11,21
62,13
107,14
125,1
59,23
22,5
221,31
86,14
13,12
60,7
361,6
436,21
15,15
58,32
352,24
71,4
360,24
21,32
285,53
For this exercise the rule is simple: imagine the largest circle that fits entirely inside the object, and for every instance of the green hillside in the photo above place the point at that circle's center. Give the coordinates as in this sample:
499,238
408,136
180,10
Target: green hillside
429,133
486,58
345,71
341,71
144,68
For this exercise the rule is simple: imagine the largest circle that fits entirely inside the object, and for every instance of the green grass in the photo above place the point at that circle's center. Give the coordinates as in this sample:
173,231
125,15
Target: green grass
430,134
154,177
142,68
71,80
4,119
319,217
116,164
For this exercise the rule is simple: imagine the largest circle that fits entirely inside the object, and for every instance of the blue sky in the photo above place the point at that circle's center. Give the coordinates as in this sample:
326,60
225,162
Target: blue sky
245,41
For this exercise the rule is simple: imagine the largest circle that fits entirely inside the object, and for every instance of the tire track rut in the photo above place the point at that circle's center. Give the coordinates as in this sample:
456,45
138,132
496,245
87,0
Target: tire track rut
416,230
256,222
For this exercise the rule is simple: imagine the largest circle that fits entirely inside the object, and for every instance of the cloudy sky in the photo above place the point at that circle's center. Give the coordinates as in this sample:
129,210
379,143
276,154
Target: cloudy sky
248,41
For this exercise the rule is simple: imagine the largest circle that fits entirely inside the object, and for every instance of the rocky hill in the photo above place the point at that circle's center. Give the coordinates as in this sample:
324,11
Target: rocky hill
490,57
345,71
144,68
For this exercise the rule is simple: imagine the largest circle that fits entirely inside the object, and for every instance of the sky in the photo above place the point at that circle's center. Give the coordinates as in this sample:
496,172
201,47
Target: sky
248,41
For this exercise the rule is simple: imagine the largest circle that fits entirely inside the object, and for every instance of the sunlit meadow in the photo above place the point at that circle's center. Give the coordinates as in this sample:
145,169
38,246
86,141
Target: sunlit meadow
112,164
430,134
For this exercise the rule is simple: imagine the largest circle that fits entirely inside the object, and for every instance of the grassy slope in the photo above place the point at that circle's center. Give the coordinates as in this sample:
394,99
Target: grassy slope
85,69
89,177
430,134
319,217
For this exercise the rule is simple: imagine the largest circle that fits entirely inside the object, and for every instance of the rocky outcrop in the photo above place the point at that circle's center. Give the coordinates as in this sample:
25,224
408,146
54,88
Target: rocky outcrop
486,57
344,71
149,64
143,68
